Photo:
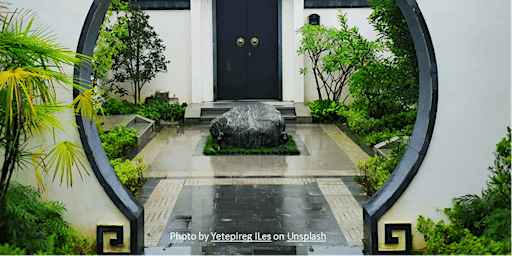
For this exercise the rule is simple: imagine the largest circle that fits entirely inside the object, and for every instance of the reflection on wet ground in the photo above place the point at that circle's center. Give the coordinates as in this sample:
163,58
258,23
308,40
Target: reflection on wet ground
251,205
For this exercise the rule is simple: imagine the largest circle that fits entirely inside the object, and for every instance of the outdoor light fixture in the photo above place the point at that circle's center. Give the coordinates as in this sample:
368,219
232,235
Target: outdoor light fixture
314,19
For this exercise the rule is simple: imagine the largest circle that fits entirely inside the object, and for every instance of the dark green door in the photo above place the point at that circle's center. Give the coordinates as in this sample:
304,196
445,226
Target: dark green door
247,49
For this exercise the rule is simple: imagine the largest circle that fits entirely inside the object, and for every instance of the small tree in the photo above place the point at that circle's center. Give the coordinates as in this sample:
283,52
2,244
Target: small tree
142,56
108,44
322,45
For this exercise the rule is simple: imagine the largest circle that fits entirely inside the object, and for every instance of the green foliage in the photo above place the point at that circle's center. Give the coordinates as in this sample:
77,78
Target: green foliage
155,110
32,69
118,107
393,30
130,173
455,239
151,111
172,112
359,121
479,224
503,151
7,249
376,170
380,136
38,227
119,141
326,110
211,146
142,56
108,44
326,49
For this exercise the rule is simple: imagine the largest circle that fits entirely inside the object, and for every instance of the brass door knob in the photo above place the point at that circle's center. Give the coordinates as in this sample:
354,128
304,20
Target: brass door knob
255,41
240,42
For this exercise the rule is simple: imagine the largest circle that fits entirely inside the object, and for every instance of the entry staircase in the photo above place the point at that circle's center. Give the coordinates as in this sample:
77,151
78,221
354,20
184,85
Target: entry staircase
204,113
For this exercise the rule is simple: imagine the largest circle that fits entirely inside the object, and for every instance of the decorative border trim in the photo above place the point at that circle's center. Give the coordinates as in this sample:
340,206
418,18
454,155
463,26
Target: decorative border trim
335,4
163,4
100,230
403,174
90,139
389,239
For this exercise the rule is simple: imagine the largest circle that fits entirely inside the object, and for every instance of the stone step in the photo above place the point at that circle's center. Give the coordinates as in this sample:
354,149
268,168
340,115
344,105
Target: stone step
203,113
207,111
206,119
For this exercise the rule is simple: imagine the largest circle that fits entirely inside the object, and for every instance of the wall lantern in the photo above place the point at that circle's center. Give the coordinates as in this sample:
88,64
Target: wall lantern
314,19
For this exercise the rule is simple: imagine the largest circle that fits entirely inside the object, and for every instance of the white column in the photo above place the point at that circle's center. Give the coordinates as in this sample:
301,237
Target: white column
287,49
298,61
207,51
196,51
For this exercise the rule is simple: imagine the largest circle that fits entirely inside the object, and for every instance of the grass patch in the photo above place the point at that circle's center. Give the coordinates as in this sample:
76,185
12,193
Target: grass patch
210,148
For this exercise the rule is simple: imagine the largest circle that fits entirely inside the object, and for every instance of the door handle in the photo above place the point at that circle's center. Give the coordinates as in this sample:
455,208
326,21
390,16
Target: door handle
240,42
255,41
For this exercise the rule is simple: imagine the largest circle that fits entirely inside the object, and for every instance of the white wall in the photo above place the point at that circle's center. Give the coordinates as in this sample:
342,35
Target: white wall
188,37
471,41
174,28
86,202
329,17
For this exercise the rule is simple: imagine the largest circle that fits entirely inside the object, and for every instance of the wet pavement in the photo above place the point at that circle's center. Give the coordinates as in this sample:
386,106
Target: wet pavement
252,205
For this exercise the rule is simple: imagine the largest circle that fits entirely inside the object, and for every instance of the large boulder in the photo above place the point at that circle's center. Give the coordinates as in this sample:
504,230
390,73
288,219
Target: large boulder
250,126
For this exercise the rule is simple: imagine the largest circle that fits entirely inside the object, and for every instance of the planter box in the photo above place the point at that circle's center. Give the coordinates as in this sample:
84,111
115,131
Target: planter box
383,149
143,125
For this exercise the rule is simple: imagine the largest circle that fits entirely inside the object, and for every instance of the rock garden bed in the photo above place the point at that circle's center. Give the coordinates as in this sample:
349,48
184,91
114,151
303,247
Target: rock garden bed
211,147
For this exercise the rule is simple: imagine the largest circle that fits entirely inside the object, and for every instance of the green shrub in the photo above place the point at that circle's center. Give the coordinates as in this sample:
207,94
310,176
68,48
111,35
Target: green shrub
381,136
325,110
130,173
376,170
118,107
150,111
485,219
119,141
153,110
7,249
38,227
455,239
173,112
359,122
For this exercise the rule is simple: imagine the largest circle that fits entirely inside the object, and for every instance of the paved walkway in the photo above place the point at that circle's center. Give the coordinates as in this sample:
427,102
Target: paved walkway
305,204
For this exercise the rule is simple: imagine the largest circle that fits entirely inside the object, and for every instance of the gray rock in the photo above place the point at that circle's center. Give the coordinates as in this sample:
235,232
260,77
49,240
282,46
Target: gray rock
250,126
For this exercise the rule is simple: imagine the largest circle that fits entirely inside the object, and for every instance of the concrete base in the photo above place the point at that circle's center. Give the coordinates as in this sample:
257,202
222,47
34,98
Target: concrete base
193,113
303,113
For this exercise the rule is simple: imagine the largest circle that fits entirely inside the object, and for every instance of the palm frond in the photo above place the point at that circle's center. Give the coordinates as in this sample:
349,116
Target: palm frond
63,156
85,105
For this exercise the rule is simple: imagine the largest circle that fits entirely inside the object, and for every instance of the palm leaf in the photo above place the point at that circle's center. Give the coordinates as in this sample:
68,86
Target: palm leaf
63,157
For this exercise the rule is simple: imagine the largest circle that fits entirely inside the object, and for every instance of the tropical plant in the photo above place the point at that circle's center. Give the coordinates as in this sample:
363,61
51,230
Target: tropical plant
479,224
31,69
142,56
325,47
38,227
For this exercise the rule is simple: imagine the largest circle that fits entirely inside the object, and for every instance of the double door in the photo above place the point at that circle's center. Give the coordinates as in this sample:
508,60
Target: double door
247,52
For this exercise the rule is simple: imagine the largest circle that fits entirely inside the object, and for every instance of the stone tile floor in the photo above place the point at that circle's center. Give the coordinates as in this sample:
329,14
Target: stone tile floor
266,198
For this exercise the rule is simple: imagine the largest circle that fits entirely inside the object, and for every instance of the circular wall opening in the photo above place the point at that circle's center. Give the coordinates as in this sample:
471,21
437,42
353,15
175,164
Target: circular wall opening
382,201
